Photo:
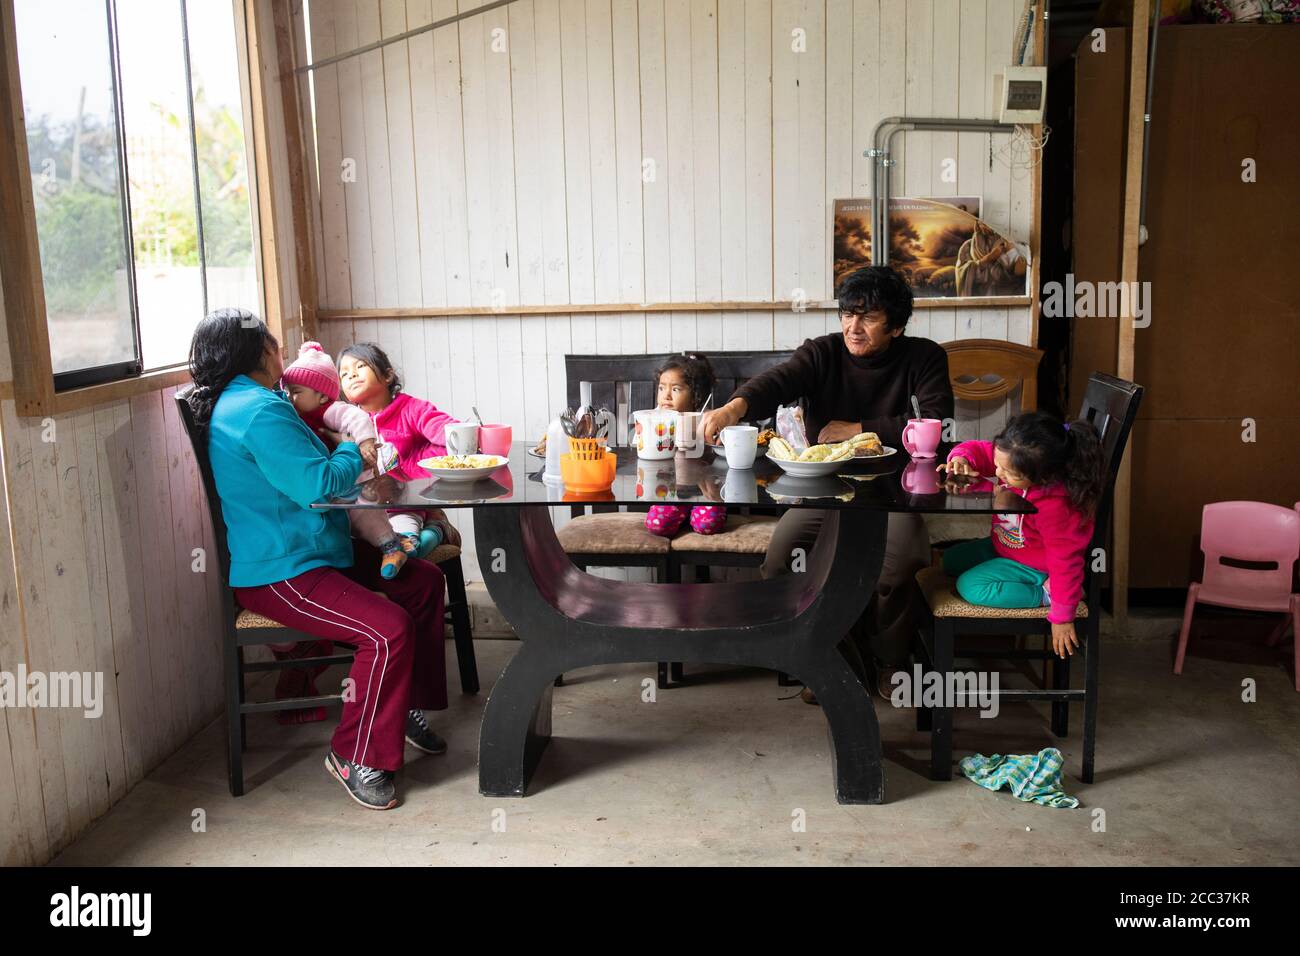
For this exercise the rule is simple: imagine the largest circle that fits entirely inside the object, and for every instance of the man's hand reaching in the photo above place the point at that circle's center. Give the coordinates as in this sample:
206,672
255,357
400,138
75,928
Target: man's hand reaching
833,432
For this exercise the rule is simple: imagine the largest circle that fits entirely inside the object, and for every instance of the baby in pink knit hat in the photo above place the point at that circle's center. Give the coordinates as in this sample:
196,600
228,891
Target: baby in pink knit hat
312,383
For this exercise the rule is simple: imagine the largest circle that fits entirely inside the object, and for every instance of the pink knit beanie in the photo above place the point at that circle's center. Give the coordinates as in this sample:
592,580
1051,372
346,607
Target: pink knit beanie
313,368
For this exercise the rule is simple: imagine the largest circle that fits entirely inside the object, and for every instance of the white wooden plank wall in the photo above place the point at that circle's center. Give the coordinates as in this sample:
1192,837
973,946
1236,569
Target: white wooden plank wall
575,151
105,519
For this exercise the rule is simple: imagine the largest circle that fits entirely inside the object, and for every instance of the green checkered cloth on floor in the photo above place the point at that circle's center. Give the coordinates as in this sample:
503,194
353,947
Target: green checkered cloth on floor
1034,778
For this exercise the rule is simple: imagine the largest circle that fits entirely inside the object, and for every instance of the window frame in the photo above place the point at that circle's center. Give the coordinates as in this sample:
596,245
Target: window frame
36,389
132,368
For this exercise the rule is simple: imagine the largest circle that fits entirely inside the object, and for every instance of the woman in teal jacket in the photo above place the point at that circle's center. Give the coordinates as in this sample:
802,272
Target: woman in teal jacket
299,566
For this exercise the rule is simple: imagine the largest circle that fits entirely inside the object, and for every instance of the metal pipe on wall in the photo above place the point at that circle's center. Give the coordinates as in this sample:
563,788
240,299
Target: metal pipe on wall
882,164
1146,136
444,22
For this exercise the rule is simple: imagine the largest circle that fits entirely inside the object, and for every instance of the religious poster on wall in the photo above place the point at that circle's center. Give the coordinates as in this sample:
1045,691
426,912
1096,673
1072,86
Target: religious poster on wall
940,245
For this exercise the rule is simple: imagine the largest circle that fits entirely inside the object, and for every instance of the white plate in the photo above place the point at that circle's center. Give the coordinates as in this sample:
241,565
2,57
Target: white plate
817,469
809,469
463,474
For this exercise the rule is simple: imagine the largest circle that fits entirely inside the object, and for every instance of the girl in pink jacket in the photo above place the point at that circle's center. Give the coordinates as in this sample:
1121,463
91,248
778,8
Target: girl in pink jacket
1033,560
412,426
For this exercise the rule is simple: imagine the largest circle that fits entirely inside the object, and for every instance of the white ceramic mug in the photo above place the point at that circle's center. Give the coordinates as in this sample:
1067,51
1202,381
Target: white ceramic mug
741,443
655,433
461,438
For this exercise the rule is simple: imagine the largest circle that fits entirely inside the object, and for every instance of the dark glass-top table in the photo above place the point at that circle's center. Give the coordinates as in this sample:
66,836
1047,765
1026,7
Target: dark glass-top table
893,483
567,619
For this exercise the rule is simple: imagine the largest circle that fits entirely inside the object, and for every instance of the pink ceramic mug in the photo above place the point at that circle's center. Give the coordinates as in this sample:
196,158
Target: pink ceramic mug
920,478
921,436
494,440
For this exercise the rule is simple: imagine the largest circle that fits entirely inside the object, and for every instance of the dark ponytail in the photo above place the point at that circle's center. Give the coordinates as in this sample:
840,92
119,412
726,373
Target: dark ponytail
226,343
1045,452
1085,467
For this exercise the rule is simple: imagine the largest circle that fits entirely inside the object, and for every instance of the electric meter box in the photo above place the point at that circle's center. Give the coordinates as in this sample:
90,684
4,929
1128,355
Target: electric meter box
1022,94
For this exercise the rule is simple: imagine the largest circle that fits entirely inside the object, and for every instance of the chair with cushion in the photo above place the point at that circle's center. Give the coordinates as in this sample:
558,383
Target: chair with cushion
1111,405
242,628
1250,550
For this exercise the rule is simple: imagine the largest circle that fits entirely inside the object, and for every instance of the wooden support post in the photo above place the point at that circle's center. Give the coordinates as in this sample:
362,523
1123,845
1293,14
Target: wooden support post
20,252
1137,123
1036,198
299,192
261,63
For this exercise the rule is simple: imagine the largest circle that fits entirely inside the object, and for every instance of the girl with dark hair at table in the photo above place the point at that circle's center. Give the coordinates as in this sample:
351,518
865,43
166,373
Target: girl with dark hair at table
412,426
1033,560
683,384
298,565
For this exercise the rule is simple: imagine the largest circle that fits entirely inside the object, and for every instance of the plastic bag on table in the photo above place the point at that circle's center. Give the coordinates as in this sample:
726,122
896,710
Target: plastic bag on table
790,426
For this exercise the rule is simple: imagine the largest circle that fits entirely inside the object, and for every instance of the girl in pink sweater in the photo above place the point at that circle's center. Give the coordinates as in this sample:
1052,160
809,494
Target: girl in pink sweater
1033,560
312,384
412,426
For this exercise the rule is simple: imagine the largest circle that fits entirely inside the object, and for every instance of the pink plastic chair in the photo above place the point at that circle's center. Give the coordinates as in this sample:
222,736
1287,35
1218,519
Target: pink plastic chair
1255,532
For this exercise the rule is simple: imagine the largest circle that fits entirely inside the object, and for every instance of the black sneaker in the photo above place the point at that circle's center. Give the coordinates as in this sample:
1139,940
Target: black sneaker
371,788
419,736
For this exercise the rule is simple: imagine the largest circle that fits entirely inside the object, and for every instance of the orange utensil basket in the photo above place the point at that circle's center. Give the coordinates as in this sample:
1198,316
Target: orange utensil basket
589,466
587,449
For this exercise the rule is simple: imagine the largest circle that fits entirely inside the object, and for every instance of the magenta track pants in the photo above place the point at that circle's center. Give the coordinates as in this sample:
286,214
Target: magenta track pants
398,639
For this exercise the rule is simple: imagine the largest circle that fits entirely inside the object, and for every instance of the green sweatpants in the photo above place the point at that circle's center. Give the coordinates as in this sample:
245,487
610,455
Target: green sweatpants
984,578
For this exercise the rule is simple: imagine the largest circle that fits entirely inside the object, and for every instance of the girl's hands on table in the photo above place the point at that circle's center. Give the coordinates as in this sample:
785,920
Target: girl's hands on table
958,466
960,476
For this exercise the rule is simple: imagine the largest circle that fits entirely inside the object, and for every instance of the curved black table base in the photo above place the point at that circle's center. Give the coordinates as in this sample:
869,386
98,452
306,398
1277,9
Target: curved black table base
566,619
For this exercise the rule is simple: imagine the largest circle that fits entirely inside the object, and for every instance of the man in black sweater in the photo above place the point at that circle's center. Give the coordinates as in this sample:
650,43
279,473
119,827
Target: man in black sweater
859,380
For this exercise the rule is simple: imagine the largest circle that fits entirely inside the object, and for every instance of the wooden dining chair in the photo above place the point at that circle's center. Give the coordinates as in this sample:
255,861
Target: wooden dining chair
987,370
1110,405
241,628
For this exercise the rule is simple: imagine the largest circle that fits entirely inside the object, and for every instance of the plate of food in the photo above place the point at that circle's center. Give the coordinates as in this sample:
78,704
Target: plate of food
463,467
826,459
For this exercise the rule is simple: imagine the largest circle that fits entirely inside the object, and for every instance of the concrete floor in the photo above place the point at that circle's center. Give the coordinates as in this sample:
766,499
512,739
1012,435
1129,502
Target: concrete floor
714,774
